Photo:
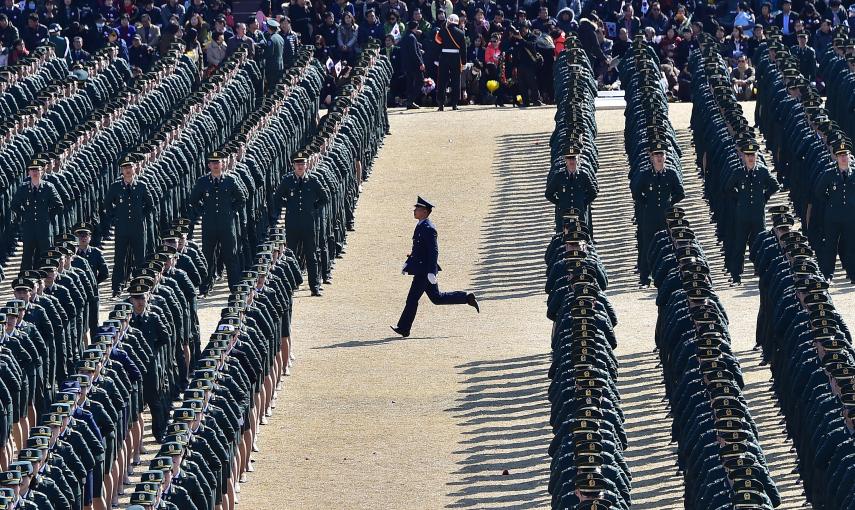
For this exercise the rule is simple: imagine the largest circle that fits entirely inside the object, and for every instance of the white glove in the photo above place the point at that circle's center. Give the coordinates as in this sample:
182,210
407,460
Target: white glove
432,278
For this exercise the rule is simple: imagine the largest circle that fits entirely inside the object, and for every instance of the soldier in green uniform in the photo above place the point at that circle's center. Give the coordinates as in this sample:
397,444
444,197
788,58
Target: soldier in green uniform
572,189
836,188
751,189
33,205
128,203
303,196
654,191
217,198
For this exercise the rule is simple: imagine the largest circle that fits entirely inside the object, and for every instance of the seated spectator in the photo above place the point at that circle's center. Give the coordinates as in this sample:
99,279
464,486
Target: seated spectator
77,53
758,36
201,26
371,29
154,13
720,38
215,52
149,33
742,79
672,79
169,9
765,17
423,25
542,20
810,18
34,34
398,6
322,52
681,20
499,25
328,30
621,44
565,20
493,50
127,31
8,31
240,39
348,35
393,26
140,55
18,51
339,7
67,13
48,13
668,44
744,17
109,11
198,7
628,21
734,47
688,42
656,19
113,39
851,19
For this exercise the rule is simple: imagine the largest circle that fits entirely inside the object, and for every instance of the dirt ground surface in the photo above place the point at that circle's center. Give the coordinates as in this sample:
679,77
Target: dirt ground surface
369,420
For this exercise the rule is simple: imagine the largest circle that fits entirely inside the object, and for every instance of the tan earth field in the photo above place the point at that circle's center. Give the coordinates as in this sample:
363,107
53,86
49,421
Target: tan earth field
373,421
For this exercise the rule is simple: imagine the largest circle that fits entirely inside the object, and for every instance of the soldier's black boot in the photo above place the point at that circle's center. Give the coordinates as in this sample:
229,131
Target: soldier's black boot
400,331
316,292
471,301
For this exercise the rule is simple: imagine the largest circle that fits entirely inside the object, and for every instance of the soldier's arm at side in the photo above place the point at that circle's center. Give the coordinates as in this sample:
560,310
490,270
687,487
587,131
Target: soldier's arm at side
552,188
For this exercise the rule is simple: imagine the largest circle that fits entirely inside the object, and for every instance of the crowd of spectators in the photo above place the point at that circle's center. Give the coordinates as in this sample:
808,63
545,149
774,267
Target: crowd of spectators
504,38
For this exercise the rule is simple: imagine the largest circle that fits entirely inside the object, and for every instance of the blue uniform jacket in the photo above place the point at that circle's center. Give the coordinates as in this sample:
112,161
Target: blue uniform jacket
423,257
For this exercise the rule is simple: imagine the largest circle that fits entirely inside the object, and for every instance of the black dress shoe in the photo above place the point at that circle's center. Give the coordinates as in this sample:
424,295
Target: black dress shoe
316,292
400,331
414,107
471,301
440,109
327,281
455,107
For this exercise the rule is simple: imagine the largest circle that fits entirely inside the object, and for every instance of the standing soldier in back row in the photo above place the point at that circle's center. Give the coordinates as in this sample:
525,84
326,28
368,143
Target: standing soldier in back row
303,196
128,203
34,204
751,187
654,192
218,198
571,188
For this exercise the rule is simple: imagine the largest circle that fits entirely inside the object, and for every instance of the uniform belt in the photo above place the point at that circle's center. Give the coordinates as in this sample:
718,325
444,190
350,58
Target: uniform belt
445,50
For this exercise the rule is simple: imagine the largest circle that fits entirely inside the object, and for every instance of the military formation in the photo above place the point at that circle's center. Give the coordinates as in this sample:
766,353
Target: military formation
719,454
811,144
808,347
737,182
588,469
655,170
51,112
90,154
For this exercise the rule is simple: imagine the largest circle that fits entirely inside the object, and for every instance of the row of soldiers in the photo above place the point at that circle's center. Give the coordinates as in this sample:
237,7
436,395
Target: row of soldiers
656,174
837,66
717,440
41,135
80,433
164,312
319,198
811,153
167,316
588,469
809,349
207,444
737,182
572,179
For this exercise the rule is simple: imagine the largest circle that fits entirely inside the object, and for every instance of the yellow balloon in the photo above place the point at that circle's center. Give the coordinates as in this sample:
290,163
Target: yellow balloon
492,85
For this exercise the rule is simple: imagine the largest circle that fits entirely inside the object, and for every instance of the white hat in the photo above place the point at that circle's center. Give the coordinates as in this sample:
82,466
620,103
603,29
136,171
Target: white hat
453,19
